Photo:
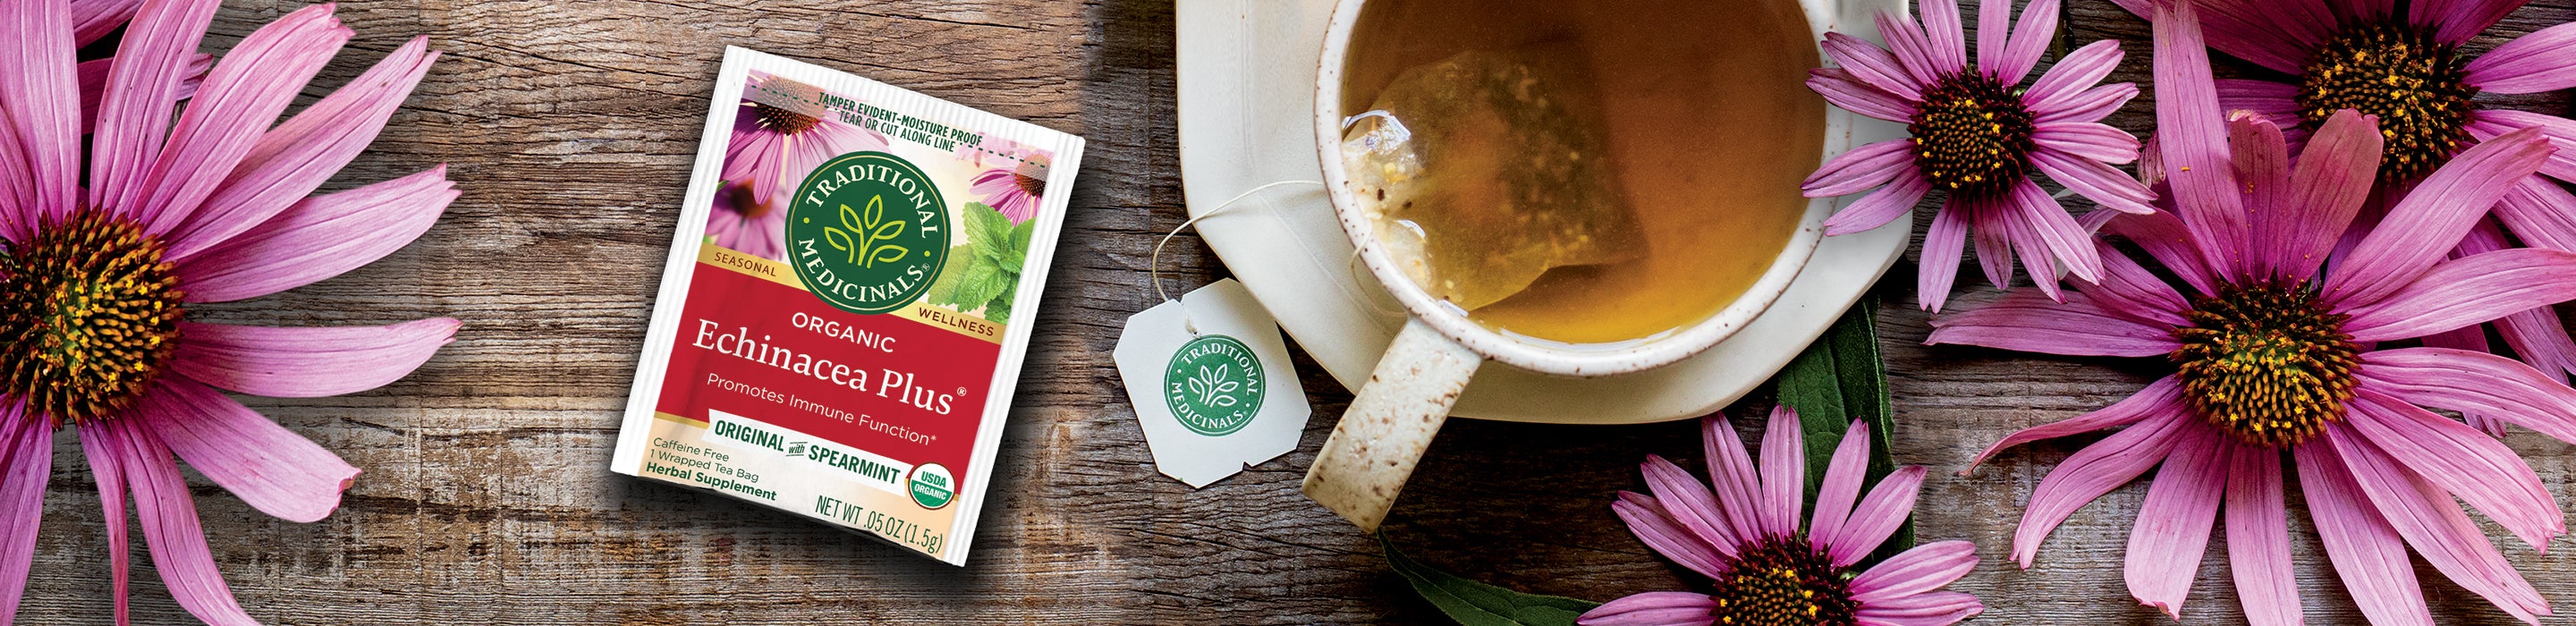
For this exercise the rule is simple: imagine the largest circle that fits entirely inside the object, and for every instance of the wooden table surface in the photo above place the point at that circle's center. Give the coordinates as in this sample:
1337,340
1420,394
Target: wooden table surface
570,126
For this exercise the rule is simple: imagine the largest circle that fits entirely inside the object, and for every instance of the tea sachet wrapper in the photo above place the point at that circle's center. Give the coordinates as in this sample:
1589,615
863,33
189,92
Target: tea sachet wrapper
1487,169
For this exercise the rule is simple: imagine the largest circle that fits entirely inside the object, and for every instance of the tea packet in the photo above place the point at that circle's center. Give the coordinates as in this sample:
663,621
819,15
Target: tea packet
1211,383
1489,168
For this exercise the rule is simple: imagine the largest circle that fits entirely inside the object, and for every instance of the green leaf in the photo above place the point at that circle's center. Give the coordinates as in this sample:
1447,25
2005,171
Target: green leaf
981,282
951,272
1472,603
987,228
1018,254
999,310
1838,379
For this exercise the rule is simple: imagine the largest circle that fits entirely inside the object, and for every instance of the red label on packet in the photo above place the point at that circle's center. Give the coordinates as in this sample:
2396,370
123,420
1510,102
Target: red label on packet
835,335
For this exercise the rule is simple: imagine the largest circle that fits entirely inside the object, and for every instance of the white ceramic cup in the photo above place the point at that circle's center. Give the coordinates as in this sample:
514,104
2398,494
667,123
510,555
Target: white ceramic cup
1384,432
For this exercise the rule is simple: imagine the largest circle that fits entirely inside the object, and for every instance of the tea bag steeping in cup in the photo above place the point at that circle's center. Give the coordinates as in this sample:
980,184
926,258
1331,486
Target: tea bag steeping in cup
1487,169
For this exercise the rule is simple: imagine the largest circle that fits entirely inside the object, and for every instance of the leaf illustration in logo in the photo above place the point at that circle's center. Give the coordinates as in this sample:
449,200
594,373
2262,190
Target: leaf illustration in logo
1199,386
876,228
840,239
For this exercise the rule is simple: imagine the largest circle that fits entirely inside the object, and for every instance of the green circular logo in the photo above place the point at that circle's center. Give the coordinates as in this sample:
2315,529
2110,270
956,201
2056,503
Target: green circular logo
932,486
1215,385
868,232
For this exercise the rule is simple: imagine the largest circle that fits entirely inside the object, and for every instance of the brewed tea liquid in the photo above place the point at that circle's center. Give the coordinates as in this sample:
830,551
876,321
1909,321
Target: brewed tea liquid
1705,124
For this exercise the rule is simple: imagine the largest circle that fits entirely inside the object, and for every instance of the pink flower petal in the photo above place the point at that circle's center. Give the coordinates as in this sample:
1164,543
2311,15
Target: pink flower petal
93,85
1862,168
1654,608
2537,335
170,526
2243,29
1784,473
2331,183
306,362
2094,180
2193,139
141,94
2263,97
2010,221
2263,169
1905,40
1937,608
2540,213
1694,509
2462,461
1731,477
2095,470
294,159
103,450
2027,322
2047,224
2367,554
2489,124
319,238
2091,140
2173,524
2030,37
2059,88
1897,199
753,156
2090,105
2468,291
1918,570
2455,21
94,19
1658,530
40,102
2158,398
1946,42
2161,235
1993,239
2503,388
2424,226
1943,245
2544,60
1877,516
2258,536
1840,88
1994,24
2471,338
241,97
2129,290
26,446
1871,65
1841,486
2434,526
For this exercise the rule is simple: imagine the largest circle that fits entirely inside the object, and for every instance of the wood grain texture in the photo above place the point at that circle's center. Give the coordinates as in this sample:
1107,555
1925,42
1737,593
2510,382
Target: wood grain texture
570,127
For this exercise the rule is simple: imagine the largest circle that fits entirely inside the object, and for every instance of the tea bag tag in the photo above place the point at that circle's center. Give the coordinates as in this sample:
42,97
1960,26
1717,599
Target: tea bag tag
1211,383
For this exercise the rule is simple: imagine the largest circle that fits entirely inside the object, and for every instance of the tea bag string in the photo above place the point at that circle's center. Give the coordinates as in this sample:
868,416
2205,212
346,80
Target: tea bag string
1154,261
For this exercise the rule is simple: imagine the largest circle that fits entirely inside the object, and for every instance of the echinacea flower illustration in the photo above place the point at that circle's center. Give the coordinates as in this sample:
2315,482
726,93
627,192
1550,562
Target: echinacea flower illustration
2274,355
1014,190
2405,65
1745,535
96,282
781,143
1976,136
738,223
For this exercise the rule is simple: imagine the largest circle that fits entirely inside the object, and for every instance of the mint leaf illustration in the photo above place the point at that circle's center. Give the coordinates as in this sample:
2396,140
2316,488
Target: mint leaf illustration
984,273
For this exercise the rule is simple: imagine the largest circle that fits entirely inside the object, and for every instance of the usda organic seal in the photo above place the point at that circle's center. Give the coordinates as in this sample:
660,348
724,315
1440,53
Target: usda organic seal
932,486
869,232
1214,385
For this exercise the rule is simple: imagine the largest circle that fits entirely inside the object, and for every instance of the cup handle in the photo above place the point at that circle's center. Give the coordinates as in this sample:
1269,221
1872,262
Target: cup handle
1382,435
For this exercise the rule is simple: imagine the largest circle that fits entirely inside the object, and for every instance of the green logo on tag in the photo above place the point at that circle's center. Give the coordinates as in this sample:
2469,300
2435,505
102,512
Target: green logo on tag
1214,385
932,486
869,232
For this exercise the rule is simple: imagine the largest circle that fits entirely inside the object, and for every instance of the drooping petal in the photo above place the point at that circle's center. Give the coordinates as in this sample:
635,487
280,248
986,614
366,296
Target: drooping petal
275,470
1877,516
2540,213
2258,535
2434,526
1841,486
288,163
2096,470
2263,170
1917,570
142,92
2095,180
2048,225
2012,219
40,101
1936,608
2030,37
2503,389
2537,335
2159,398
102,447
2078,71
2330,183
26,446
170,526
2173,524
1861,168
2466,291
93,19
241,97
319,238
1993,238
2367,554
1871,65
2028,322
2490,123
1895,200
1654,608
1689,505
1784,472
2424,226
2162,235
1731,477
2129,290
2462,461
1840,88
1657,529
1944,244
2193,139
2544,60
307,362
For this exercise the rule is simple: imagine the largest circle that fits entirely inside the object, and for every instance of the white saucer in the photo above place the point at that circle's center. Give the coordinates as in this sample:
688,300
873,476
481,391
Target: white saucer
1247,74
